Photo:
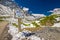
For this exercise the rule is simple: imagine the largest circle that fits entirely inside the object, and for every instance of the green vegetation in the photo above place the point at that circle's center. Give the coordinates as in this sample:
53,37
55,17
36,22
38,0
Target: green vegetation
1,19
4,16
48,20
14,24
55,16
45,21
35,24
26,24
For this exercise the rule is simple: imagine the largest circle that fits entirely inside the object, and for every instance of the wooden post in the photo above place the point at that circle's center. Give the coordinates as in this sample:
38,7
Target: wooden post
19,24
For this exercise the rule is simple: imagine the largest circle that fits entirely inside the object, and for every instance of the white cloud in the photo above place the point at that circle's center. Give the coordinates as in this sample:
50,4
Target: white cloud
38,14
56,9
51,11
25,9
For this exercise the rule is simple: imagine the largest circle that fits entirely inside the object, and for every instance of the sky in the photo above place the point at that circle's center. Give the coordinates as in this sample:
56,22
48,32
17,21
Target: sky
39,6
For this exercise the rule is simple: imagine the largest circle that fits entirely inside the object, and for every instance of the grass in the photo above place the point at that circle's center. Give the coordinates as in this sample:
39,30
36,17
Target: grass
14,24
1,20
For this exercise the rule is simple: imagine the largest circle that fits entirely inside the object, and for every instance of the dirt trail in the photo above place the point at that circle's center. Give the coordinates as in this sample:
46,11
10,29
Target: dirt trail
4,35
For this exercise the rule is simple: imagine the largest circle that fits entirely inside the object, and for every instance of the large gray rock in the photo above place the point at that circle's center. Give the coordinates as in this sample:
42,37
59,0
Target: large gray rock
49,33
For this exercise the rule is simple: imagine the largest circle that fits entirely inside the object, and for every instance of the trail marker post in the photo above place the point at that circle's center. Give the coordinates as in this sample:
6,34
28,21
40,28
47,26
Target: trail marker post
19,15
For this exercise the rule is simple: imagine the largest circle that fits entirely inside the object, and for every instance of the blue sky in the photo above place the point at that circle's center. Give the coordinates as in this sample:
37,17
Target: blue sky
39,6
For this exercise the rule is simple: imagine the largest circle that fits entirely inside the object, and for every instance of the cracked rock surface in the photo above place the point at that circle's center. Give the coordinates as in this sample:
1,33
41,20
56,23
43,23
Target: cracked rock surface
49,33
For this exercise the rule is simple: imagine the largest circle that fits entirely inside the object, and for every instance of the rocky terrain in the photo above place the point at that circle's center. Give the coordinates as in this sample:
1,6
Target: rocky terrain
9,7
49,33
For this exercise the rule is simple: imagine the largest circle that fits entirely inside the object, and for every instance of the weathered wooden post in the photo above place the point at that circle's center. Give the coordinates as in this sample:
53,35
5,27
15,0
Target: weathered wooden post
19,16
19,24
